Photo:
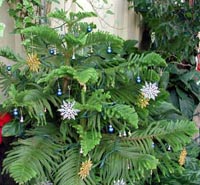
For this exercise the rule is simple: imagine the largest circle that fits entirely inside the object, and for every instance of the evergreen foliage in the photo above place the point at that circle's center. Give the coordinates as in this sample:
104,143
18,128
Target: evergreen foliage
102,86
171,29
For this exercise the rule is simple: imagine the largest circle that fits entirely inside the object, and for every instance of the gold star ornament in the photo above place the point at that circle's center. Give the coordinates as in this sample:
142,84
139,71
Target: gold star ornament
85,168
142,102
182,157
33,62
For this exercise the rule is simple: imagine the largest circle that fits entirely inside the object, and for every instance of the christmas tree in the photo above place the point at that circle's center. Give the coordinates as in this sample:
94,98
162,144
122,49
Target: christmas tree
88,108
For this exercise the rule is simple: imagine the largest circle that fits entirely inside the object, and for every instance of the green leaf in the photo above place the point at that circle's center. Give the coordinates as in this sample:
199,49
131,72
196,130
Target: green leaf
86,75
14,128
89,139
47,34
109,12
59,14
95,101
124,112
68,169
63,130
164,80
153,59
30,158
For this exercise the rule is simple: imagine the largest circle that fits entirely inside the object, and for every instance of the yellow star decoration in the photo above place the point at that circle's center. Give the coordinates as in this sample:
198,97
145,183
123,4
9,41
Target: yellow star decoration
182,157
85,169
142,102
33,62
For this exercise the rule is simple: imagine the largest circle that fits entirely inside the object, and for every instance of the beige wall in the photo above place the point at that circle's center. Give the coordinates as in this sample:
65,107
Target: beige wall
9,39
123,22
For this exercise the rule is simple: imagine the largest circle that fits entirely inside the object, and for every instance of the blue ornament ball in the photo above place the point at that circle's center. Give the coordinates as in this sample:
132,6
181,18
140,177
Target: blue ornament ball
138,79
8,68
59,92
110,129
52,51
15,112
89,28
109,50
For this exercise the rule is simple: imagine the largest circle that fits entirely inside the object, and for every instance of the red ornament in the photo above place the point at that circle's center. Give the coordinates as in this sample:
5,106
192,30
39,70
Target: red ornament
198,62
4,118
191,2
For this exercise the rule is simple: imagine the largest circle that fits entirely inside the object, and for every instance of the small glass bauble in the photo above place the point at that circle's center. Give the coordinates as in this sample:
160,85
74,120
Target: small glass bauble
138,79
15,112
110,129
89,28
109,50
59,92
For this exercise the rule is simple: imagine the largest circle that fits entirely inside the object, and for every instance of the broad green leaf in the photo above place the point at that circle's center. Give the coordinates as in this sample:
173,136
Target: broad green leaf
14,128
89,139
87,75
153,59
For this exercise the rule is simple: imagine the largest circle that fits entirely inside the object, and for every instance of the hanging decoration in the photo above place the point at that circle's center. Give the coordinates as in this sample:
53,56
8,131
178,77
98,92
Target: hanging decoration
67,111
15,112
59,90
73,55
33,62
8,68
150,90
142,102
197,58
85,169
182,157
109,49
89,28
4,119
119,182
124,133
53,51
169,148
138,79
110,129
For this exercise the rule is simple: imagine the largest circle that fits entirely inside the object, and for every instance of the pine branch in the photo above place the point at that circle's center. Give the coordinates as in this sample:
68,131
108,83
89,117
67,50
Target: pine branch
31,158
123,112
8,53
68,169
44,33
176,134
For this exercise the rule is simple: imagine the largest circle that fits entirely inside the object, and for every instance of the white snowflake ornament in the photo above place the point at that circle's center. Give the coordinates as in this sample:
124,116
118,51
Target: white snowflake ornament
119,182
150,90
67,111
